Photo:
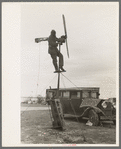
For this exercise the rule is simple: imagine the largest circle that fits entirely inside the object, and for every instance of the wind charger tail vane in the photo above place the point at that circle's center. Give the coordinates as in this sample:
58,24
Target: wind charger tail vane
41,39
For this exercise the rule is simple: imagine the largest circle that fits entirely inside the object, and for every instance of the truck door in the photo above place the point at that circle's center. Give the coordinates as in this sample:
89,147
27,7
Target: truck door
75,102
65,100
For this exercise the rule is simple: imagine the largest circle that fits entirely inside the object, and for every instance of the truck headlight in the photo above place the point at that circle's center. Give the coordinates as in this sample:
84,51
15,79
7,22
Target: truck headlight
104,105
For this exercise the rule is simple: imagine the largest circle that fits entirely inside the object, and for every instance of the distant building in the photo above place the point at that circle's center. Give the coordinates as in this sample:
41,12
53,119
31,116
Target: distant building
29,100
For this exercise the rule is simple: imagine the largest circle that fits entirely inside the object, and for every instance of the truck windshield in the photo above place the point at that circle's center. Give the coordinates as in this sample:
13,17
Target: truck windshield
93,95
85,94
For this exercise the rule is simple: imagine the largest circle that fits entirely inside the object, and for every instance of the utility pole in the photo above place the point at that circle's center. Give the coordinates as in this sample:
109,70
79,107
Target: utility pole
55,103
58,84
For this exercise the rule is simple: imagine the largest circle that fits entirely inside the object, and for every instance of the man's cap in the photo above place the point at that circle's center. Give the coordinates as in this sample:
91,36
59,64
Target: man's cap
53,31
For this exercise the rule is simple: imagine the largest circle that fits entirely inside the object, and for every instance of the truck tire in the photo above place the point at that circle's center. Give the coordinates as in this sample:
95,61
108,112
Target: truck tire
93,117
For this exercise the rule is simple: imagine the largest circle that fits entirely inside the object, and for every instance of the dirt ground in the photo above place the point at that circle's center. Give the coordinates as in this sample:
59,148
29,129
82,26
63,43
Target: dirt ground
36,128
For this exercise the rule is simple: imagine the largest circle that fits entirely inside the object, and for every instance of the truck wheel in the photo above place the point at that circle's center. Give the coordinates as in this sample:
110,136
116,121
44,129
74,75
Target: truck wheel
93,117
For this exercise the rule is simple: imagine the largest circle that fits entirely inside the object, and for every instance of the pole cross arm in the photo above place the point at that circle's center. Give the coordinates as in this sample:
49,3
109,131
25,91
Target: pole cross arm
41,39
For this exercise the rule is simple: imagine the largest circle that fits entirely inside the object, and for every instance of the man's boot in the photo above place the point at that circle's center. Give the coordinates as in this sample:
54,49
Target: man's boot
62,69
56,67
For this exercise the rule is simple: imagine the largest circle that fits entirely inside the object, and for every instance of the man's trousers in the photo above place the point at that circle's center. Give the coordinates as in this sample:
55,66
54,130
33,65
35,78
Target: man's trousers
54,59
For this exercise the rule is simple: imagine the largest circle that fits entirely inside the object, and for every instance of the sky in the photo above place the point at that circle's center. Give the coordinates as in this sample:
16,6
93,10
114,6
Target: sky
92,31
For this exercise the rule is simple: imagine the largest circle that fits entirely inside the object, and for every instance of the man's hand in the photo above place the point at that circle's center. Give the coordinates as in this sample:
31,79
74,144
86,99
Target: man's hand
60,43
64,36
36,40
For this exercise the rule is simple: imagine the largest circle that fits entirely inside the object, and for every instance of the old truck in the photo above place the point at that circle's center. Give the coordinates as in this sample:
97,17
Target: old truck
85,102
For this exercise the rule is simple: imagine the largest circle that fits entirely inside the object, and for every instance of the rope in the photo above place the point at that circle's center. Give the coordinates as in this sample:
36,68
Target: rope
37,80
63,82
39,74
74,111
48,84
41,92
73,107
77,120
70,81
50,113
25,109
38,71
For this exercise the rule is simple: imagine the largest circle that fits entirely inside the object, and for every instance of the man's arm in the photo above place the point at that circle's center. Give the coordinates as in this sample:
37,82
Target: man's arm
61,40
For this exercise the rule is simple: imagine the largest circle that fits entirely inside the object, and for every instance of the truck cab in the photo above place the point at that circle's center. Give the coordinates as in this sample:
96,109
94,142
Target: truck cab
84,102
71,98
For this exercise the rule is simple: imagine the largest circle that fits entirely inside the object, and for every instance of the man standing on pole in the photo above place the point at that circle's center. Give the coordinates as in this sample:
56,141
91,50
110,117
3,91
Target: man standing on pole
53,42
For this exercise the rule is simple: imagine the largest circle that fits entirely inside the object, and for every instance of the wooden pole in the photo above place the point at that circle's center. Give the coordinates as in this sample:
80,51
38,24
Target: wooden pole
58,85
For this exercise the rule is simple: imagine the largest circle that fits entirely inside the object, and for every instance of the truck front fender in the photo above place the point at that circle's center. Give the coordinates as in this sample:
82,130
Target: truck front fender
88,108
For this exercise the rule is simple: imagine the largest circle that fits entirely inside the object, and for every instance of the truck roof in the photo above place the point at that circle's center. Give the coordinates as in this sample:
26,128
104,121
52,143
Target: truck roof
77,88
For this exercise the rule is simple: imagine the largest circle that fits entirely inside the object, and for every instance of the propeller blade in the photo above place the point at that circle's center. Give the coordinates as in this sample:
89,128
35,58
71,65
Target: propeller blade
64,23
67,48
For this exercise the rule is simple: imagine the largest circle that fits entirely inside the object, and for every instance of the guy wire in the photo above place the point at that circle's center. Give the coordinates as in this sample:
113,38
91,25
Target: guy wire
38,71
74,109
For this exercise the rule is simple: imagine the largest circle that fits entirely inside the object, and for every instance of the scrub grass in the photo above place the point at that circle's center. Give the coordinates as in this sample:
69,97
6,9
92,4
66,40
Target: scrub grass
36,128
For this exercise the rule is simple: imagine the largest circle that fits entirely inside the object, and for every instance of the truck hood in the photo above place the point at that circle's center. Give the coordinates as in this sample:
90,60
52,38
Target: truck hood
90,102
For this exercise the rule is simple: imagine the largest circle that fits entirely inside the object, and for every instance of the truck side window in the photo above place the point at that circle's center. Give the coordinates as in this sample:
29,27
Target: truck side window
93,94
85,94
49,95
75,94
66,94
